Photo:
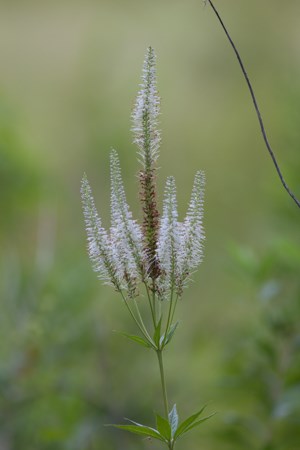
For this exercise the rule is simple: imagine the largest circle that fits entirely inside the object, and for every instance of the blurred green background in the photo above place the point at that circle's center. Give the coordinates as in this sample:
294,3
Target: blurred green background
69,75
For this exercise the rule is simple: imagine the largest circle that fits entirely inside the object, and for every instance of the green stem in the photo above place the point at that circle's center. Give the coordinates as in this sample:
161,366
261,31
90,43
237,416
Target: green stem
141,320
146,335
169,318
163,382
175,304
154,306
151,307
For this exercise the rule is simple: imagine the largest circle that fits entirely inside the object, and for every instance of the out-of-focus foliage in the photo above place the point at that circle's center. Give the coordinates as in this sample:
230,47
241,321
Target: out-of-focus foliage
69,71
18,175
262,362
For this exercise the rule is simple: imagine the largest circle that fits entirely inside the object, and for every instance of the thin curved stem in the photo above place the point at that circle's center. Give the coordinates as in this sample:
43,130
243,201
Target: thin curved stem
256,107
141,320
146,336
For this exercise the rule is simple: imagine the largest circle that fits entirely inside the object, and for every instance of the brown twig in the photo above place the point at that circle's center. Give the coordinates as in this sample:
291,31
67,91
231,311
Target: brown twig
257,110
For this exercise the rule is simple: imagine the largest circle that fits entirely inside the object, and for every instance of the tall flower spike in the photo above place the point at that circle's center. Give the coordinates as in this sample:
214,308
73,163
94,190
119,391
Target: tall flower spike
101,251
192,234
163,253
125,232
147,138
145,114
169,241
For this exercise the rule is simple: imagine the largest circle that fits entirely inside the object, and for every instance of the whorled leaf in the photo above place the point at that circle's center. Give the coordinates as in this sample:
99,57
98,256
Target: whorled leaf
141,430
173,420
188,422
197,423
170,334
157,331
137,339
163,426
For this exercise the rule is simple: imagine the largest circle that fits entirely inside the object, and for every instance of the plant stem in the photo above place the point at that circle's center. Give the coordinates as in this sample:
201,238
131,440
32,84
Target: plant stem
154,305
256,107
144,333
169,318
141,320
163,382
175,304
151,308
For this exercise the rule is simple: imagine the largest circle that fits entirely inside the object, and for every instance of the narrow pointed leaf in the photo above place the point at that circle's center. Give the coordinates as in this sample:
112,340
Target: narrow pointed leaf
189,421
171,332
173,419
156,336
141,430
163,427
137,339
197,423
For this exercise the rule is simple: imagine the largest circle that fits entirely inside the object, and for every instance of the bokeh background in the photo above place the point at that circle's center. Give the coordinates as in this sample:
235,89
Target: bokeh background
69,74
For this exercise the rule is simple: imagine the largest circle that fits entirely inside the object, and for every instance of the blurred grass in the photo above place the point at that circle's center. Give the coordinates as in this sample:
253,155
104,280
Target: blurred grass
69,76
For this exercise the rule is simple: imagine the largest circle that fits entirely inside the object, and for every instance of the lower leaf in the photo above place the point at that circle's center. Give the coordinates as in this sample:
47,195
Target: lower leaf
141,430
196,424
137,339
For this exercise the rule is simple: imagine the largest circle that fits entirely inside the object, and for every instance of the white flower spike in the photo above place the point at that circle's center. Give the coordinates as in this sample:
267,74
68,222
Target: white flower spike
192,233
101,251
145,114
162,253
169,241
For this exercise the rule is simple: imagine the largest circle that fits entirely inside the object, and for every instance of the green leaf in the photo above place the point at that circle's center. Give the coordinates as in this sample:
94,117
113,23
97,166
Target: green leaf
199,422
187,422
170,334
141,430
137,339
163,427
156,336
173,420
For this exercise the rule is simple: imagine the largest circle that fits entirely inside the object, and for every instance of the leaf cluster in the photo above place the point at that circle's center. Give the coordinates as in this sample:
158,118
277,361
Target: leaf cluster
167,430
159,340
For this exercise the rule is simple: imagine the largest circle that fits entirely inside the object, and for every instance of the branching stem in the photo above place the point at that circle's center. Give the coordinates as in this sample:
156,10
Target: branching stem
141,320
144,332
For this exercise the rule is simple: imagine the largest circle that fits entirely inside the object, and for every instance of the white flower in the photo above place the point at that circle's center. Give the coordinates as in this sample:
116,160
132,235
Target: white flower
145,114
164,252
169,240
179,249
118,257
125,232
100,248
192,233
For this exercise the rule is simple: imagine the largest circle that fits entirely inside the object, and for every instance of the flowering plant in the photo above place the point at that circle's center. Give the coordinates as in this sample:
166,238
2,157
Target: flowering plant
161,254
